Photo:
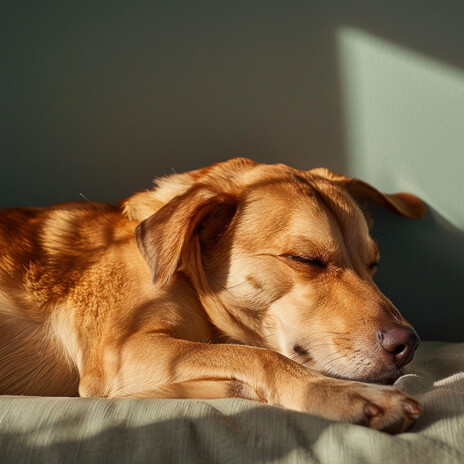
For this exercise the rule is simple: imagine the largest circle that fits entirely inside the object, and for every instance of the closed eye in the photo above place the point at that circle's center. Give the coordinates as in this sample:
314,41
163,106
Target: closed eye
316,262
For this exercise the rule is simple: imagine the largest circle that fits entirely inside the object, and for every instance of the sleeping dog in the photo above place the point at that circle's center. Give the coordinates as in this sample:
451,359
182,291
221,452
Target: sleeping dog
237,280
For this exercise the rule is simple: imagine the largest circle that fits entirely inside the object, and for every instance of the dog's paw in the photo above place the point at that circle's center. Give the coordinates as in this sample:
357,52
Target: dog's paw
388,409
375,406
378,407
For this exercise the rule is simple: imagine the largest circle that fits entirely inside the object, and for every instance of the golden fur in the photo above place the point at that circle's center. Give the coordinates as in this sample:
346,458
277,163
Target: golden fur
237,280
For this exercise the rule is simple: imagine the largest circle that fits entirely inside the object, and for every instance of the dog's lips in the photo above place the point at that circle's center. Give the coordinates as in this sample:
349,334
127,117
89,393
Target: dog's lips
375,369
386,374
386,378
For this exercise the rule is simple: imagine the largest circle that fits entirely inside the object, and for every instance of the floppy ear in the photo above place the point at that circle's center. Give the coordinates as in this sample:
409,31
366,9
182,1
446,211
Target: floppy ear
405,204
163,239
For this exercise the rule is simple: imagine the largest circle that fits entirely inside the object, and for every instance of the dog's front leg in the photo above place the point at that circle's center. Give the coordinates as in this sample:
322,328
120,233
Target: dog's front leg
159,366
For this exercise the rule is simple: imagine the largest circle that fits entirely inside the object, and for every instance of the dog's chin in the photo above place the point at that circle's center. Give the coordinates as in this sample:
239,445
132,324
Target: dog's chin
388,380
385,377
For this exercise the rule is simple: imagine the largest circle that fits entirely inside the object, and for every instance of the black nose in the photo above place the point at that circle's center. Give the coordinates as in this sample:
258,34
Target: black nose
400,343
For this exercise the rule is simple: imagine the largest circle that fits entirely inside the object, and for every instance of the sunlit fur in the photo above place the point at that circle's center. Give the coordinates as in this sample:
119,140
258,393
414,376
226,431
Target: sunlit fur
236,280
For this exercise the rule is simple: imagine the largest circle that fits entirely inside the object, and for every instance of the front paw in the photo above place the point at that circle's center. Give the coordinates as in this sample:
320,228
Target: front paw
375,406
378,407
388,409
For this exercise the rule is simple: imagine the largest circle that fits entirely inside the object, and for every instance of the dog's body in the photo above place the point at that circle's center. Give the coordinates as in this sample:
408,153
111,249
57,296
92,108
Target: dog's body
237,280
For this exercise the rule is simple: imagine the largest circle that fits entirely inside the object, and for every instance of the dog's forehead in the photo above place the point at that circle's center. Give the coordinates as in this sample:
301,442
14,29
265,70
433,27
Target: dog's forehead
310,208
311,197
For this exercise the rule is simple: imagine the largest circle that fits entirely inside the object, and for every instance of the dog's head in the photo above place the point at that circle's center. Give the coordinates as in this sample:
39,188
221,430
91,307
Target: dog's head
282,259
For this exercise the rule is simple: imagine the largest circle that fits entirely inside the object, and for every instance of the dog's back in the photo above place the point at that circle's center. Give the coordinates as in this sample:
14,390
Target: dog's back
44,251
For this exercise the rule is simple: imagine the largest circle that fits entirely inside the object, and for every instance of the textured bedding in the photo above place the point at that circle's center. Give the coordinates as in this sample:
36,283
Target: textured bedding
75,430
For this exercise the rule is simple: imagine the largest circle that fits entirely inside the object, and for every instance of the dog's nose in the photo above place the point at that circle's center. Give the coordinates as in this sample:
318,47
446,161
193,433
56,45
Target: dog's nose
400,343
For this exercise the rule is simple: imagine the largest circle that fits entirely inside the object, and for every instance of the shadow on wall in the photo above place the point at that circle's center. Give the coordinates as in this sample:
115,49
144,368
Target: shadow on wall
404,114
422,272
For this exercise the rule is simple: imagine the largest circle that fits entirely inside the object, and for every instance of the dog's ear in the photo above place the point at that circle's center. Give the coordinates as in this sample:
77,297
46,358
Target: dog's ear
198,216
405,204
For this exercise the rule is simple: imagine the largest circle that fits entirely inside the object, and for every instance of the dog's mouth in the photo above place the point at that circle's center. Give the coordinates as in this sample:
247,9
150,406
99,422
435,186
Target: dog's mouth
383,362
375,373
387,377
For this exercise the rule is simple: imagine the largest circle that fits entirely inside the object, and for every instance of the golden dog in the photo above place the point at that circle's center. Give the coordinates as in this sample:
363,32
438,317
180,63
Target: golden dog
238,280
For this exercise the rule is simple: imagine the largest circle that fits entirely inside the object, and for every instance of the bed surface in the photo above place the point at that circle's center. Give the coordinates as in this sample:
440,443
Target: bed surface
79,430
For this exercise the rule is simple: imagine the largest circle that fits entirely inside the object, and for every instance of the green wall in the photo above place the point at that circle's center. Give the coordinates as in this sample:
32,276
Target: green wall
99,97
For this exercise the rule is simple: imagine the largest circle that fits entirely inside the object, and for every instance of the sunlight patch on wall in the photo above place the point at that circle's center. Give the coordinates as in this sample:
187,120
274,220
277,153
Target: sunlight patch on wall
404,117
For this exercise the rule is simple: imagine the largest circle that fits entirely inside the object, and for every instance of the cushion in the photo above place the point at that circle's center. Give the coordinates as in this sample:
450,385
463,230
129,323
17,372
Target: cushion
49,430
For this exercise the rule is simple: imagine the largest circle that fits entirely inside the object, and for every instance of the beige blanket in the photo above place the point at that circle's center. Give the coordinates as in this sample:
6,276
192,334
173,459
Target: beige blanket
74,430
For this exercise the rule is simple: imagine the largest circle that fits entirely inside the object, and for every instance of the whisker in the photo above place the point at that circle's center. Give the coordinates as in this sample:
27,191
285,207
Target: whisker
331,354
309,358
336,359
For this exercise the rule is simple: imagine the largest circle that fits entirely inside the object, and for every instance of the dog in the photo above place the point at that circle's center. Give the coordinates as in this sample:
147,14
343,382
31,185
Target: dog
240,280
